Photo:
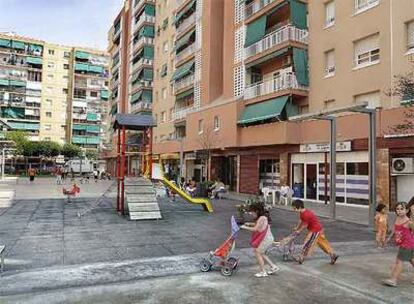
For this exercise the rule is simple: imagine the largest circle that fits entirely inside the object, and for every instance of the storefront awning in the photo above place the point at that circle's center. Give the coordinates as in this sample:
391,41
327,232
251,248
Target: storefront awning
263,111
183,70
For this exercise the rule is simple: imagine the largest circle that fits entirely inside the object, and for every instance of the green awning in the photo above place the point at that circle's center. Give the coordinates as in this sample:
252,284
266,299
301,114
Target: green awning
185,94
81,67
183,70
291,109
300,63
12,112
92,117
147,31
114,109
136,96
5,43
36,48
95,69
17,83
147,96
4,82
298,14
164,70
263,111
255,31
148,52
104,94
79,127
82,55
149,9
24,126
19,45
78,140
183,40
148,74
34,60
184,11
93,128
93,140
276,54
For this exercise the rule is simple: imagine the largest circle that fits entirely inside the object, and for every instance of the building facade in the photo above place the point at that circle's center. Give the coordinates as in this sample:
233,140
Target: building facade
43,88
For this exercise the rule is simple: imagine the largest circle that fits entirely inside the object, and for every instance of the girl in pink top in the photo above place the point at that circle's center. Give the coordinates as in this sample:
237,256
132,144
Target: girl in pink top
404,238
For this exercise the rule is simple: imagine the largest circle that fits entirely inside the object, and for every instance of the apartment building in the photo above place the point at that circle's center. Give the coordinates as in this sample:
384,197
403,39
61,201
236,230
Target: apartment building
42,82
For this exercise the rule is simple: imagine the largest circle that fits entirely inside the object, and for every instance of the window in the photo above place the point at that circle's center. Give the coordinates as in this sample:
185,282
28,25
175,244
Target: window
216,123
367,51
165,47
200,126
48,127
66,54
50,76
363,5
164,93
48,102
94,94
373,99
329,104
48,114
156,118
51,52
329,63
51,65
171,113
329,14
65,91
34,76
66,66
410,36
357,168
66,77
163,116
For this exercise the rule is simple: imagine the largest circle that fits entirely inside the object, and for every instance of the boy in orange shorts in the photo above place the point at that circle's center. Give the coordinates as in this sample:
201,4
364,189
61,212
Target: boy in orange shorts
315,234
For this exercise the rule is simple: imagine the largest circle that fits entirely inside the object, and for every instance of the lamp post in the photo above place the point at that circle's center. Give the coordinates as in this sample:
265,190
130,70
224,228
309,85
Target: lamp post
3,160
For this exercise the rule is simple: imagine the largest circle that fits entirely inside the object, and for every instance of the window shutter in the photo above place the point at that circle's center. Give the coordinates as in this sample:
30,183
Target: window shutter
367,44
410,35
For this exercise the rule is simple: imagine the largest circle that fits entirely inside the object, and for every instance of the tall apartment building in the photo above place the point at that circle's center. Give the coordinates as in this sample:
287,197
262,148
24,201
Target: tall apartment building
41,82
239,70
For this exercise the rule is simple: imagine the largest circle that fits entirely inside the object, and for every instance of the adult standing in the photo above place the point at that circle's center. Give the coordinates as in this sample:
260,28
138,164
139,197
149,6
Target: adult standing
32,173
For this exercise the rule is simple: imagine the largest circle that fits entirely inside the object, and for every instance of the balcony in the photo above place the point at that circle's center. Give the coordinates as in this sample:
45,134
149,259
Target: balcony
185,53
286,33
142,84
143,19
141,106
179,2
181,113
256,6
189,22
183,83
141,42
286,81
142,62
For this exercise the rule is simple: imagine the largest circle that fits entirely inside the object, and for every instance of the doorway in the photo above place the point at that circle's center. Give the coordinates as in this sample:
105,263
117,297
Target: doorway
311,181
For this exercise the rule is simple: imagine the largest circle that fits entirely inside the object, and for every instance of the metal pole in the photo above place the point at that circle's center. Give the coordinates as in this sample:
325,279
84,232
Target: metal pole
2,165
332,173
150,152
372,166
181,159
123,149
325,173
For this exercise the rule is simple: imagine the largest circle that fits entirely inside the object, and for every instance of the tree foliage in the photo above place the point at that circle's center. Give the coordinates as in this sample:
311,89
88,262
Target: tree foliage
90,154
71,150
19,138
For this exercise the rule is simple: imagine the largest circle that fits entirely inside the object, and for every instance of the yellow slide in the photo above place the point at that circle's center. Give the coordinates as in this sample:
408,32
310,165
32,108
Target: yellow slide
202,201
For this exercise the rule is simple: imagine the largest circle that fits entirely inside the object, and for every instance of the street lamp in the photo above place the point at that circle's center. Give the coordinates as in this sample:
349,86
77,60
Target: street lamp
3,160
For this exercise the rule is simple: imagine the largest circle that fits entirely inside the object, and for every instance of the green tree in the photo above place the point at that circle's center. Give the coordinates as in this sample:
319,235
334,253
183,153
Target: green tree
71,150
404,89
19,138
48,148
90,154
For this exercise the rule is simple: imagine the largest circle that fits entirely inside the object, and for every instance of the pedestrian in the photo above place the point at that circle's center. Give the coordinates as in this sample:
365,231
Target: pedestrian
262,238
72,173
381,225
403,233
95,175
315,236
32,173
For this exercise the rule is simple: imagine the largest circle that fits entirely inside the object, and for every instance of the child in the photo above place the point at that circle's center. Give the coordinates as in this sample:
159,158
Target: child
315,234
262,239
403,233
381,224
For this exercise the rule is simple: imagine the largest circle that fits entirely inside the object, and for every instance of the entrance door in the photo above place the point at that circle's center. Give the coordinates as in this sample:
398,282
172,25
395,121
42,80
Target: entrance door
229,172
311,181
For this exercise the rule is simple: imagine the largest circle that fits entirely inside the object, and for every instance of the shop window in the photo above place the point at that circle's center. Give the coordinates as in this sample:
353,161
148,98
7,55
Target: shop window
297,180
357,168
269,173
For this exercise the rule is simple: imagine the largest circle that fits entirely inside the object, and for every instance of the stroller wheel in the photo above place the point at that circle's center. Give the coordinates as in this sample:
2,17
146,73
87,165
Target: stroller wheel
227,270
205,265
232,262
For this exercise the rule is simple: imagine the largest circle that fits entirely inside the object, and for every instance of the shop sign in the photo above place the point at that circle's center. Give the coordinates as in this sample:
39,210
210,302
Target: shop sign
342,146
60,159
190,156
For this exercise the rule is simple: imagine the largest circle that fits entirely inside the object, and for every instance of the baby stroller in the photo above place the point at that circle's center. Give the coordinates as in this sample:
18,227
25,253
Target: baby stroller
286,246
220,258
72,192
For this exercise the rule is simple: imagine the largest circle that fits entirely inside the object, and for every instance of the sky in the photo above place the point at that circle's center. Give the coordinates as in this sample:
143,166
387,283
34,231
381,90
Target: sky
69,22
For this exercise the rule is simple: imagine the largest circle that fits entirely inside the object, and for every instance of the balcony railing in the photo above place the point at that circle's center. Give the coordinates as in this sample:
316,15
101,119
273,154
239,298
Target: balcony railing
142,84
141,106
141,62
141,42
184,82
187,23
144,18
184,53
279,36
286,81
181,113
256,6
139,3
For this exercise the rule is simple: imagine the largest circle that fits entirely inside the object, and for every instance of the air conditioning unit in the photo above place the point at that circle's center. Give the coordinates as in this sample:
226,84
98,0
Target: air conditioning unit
403,165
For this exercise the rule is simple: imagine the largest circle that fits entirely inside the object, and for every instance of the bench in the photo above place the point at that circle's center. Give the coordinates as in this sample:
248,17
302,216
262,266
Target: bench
2,252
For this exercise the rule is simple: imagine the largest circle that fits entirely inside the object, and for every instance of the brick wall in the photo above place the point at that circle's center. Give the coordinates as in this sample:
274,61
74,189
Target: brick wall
249,174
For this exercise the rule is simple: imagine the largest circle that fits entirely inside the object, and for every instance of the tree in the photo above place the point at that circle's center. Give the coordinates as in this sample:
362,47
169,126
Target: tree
48,148
19,138
404,89
207,140
71,150
90,154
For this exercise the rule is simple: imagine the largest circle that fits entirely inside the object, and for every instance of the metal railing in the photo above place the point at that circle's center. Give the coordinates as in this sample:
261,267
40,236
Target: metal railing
141,84
181,113
142,19
184,82
256,6
288,32
140,3
141,106
141,42
185,53
190,21
141,62
284,82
